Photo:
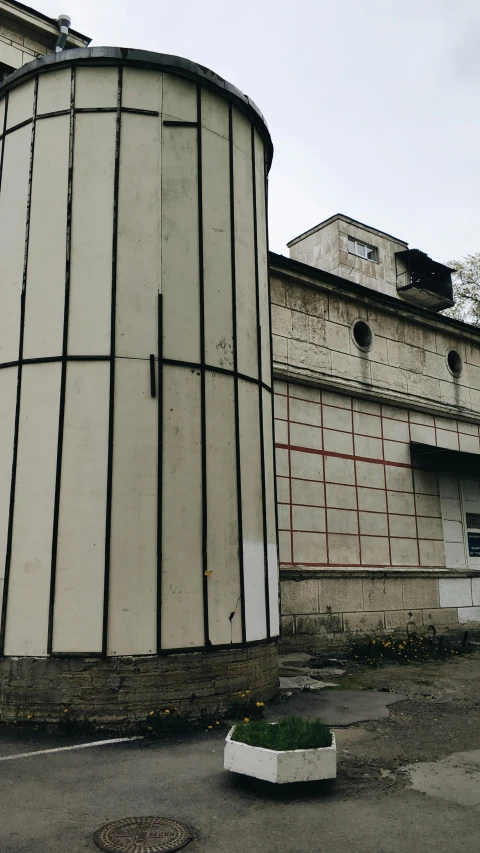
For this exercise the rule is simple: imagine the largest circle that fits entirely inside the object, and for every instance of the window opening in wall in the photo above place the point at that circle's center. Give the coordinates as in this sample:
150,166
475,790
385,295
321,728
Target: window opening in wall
455,362
362,250
453,524
473,534
362,335
471,510
461,520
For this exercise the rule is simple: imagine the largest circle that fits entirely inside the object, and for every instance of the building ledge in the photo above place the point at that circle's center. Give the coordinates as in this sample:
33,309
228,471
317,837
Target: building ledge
312,377
289,572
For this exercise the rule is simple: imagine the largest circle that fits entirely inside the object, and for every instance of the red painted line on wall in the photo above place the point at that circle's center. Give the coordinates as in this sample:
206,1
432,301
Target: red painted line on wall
369,488
344,455
357,438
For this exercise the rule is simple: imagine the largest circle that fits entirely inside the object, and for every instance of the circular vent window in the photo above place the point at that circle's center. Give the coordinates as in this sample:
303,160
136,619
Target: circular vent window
454,362
362,335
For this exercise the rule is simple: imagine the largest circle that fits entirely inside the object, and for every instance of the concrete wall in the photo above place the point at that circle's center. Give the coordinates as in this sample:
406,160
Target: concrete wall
327,611
366,542
326,247
312,323
137,519
359,529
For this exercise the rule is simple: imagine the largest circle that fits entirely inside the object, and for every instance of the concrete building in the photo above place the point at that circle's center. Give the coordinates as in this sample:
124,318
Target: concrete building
377,413
138,529
26,34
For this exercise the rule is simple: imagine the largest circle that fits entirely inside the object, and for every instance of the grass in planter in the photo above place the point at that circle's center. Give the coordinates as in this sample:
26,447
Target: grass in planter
288,733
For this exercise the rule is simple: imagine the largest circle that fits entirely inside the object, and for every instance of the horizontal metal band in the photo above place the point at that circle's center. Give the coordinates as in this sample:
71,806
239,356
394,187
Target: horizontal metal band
180,123
193,365
82,110
212,368
52,358
120,56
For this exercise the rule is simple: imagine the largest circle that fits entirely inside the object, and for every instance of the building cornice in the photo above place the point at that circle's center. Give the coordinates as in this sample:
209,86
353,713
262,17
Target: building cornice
349,221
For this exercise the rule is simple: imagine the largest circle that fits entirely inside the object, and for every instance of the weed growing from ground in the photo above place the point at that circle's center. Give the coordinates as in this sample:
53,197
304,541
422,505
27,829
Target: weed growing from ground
245,707
410,649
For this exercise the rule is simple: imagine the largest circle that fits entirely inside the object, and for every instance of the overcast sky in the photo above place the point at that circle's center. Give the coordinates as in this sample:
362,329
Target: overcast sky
373,105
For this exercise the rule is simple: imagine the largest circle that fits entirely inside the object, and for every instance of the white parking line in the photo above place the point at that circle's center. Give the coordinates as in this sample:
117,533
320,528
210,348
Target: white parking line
68,748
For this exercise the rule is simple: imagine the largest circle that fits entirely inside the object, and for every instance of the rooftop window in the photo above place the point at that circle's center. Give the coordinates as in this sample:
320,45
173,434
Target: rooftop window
362,250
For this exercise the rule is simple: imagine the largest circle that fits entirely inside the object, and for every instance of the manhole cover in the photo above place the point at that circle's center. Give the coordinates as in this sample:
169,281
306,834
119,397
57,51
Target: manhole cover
142,835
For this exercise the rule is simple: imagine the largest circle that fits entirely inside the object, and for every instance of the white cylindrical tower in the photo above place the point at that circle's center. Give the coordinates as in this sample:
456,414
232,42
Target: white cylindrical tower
137,511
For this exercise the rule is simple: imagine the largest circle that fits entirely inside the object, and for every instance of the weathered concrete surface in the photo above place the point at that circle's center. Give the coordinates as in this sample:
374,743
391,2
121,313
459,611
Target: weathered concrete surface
455,779
71,794
336,707
121,690
303,682
55,802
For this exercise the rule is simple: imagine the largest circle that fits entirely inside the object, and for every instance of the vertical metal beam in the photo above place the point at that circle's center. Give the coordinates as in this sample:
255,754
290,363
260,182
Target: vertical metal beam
3,602
260,388
270,381
160,474
3,138
8,555
63,379
108,524
202,370
153,383
235,378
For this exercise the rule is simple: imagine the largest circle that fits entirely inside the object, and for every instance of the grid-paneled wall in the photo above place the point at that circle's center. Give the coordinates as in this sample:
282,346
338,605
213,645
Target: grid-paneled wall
347,494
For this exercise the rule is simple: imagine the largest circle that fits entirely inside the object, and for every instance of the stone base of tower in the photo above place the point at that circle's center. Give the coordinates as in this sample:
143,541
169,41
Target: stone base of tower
122,690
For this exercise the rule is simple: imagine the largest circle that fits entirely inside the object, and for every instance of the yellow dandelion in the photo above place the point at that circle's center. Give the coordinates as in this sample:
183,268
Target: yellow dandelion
217,723
247,691
66,711
209,727
246,719
243,695
151,713
259,704
166,711
29,716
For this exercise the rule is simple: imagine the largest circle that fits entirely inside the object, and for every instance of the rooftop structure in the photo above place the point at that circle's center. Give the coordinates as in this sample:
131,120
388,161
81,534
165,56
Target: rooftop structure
375,259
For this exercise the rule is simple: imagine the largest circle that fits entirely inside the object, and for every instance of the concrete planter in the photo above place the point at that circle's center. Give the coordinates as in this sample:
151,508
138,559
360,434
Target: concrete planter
296,765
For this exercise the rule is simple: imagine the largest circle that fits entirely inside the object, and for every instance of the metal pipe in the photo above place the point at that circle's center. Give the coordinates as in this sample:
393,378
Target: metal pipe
64,23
